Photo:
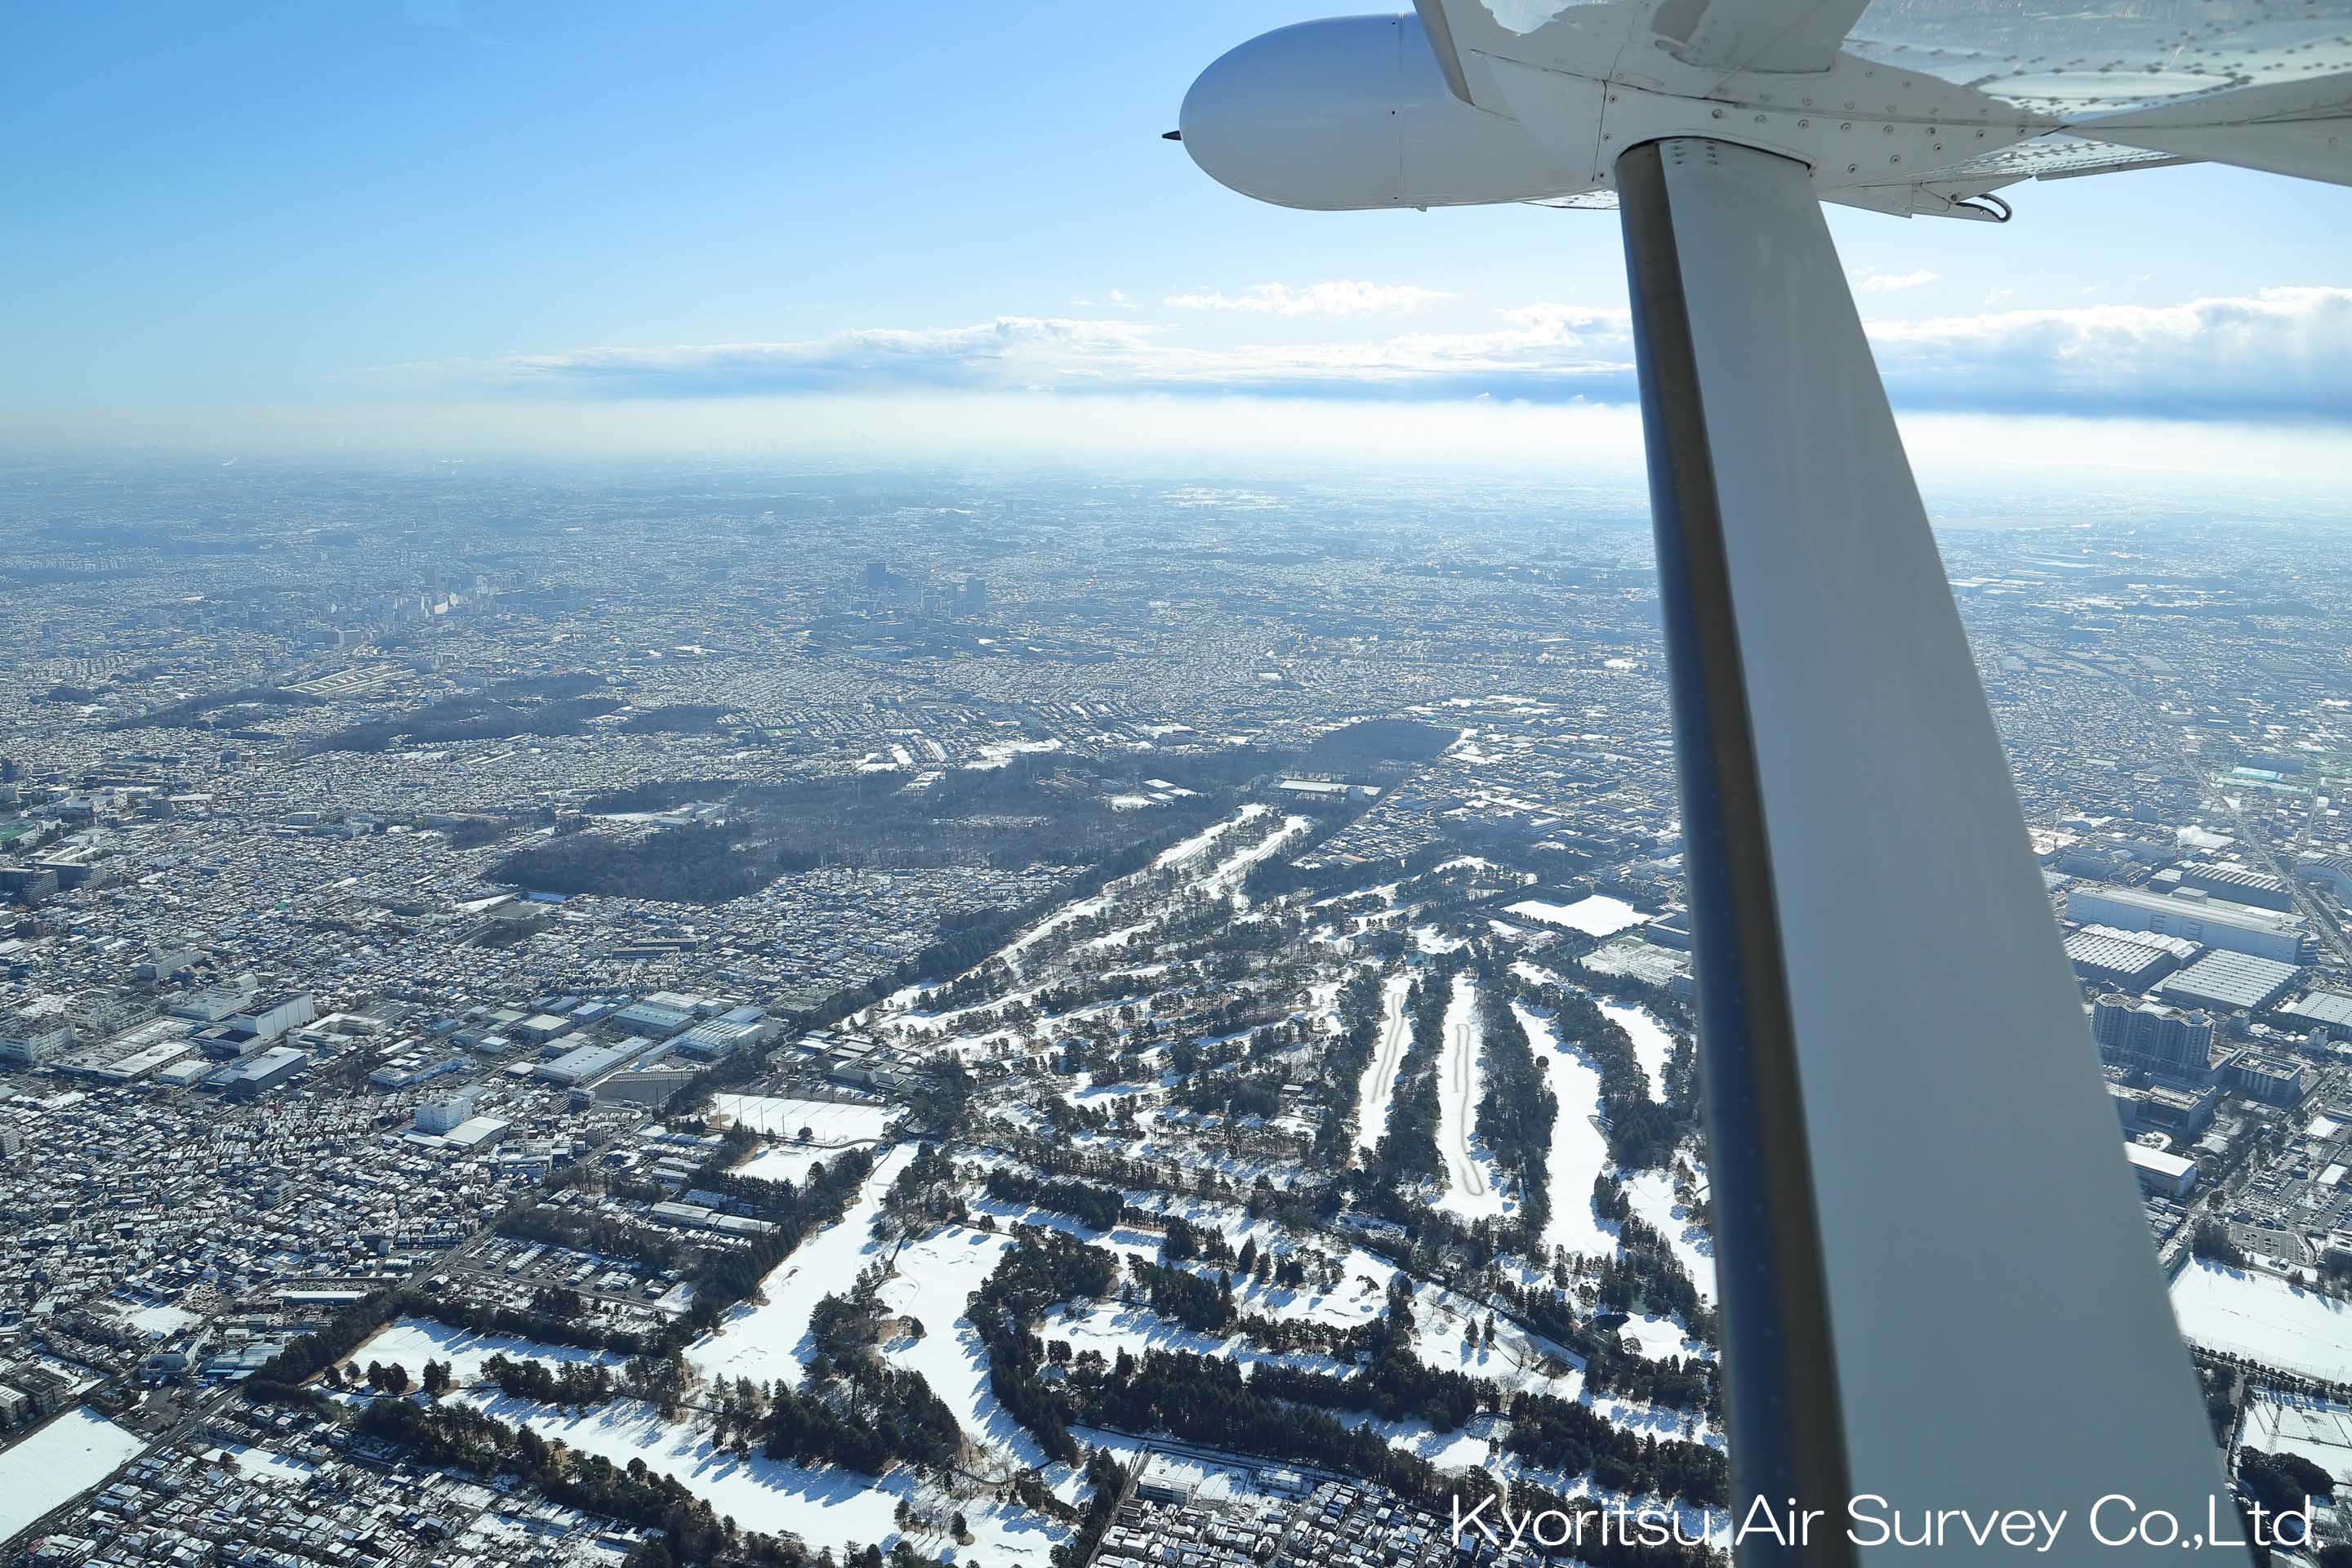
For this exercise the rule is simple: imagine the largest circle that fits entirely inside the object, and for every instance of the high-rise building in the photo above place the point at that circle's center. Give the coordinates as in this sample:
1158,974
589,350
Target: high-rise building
2169,1040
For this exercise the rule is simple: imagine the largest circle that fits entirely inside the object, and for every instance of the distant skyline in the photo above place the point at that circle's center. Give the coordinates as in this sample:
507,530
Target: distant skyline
552,226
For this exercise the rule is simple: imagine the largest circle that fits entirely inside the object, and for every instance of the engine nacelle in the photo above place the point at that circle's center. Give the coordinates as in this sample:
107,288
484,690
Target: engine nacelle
1354,112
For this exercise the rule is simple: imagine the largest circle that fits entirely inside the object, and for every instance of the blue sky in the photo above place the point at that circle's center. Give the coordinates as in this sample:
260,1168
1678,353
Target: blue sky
336,215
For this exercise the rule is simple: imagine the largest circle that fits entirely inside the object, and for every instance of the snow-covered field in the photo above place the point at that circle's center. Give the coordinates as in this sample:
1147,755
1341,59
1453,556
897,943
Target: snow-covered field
2263,1317
1579,1152
1472,1445
827,1121
1109,1328
1379,1077
2318,1430
159,1321
787,1162
1517,1360
763,1342
1474,1187
826,1507
410,1343
1652,1045
1652,1193
934,1277
1177,854
70,1455
267,1465
1662,1339
1598,915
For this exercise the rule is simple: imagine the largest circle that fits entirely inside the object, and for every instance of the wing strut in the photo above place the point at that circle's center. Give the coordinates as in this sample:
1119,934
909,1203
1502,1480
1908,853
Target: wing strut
1937,1285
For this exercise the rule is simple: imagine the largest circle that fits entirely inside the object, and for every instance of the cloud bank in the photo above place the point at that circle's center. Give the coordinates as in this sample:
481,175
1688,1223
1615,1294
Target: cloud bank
2281,353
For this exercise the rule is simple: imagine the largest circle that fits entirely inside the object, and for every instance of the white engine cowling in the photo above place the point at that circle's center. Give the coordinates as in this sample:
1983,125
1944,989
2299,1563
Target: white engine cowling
1353,112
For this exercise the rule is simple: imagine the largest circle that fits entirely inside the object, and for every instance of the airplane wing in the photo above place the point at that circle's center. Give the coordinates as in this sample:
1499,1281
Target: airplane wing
1937,1283
1726,35
2002,93
1937,1279
1731,35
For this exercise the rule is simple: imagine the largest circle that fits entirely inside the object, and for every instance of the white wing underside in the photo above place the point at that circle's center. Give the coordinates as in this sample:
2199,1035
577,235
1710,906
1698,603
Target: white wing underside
1917,106
2054,157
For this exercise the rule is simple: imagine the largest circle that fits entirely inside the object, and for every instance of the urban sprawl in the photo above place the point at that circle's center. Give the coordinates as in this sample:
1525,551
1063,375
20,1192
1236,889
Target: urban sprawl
743,1015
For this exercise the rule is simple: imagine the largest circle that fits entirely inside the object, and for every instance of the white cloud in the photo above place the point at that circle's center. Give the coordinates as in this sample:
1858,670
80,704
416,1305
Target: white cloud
1871,280
1538,342
2281,352
1009,350
1344,297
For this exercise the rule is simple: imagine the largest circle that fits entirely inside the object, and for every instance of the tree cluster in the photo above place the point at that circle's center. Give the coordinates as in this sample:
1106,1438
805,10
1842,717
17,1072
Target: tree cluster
1516,1112
1407,1153
1642,1132
1099,1209
1563,1435
456,1436
1041,1268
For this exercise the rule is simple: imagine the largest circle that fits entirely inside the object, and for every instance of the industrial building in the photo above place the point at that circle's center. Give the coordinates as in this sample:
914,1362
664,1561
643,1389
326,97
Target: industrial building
37,1033
540,1028
2165,1175
476,1133
2261,1075
2177,1110
268,1019
439,1116
222,999
660,1015
2229,982
645,1084
2328,1010
698,1216
134,1053
2216,923
725,1034
259,1074
2129,961
411,1068
2240,884
588,1062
